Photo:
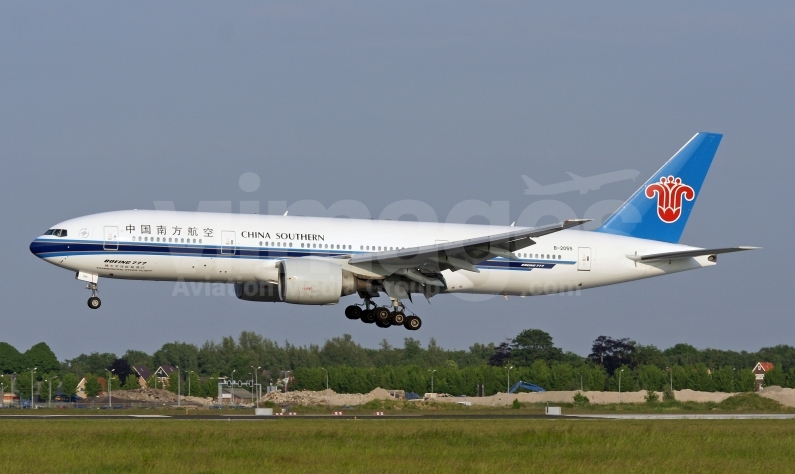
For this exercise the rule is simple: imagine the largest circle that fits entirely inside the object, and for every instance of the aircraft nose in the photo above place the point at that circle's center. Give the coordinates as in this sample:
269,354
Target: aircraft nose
33,249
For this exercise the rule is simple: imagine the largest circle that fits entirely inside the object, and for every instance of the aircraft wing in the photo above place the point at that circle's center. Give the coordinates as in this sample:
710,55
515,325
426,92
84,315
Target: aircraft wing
686,254
417,263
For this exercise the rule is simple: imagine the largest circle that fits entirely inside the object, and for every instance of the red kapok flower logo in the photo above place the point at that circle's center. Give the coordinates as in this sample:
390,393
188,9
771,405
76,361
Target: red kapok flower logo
671,193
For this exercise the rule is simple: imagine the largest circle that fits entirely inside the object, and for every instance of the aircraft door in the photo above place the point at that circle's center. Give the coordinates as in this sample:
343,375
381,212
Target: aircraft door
227,242
111,236
584,260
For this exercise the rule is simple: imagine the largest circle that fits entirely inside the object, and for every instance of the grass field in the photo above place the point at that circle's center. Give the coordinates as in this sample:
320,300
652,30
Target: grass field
296,445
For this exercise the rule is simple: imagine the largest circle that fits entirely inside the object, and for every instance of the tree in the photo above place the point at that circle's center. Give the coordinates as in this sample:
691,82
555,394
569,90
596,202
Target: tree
24,386
180,354
42,357
532,345
131,383
10,359
122,369
344,351
134,357
69,383
502,354
745,381
194,386
612,353
682,354
173,382
94,363
775,376
93,387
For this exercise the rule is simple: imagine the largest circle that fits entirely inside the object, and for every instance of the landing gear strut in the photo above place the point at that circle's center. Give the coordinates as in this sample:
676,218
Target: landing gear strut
93,302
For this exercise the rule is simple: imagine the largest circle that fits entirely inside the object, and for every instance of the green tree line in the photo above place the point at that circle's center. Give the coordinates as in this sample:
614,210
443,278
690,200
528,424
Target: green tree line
530,356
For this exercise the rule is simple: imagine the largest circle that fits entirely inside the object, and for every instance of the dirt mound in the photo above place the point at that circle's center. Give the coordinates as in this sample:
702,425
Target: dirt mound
153,395
323,397
785,396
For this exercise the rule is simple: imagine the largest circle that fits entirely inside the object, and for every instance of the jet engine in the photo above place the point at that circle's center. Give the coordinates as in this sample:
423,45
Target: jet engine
304,281
314,281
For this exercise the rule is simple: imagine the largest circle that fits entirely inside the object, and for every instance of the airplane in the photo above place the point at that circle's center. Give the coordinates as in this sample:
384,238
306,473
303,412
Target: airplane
583,184
316,261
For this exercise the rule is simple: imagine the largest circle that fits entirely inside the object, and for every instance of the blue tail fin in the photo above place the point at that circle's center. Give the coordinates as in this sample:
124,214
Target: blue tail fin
660,208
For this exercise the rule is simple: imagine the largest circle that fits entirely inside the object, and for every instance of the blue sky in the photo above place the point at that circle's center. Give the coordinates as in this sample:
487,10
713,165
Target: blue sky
109,106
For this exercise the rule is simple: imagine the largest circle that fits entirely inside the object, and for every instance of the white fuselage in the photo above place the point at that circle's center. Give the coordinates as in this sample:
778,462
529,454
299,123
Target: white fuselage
213,247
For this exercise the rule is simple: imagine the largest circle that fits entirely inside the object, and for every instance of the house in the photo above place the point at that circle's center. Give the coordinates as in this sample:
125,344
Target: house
759,373
10,399
81,389
143,373
236,395
163,372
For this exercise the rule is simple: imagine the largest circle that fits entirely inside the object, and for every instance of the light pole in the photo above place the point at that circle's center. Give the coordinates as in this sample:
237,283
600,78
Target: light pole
110,389
509,378
671,373
189,372
31,386
432,372
619,385
233,385
179,387
49,395
326,371
13,379
2,395
256,384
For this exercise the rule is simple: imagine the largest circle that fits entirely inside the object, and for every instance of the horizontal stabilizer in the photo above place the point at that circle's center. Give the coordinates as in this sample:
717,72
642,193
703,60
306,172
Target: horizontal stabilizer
686,254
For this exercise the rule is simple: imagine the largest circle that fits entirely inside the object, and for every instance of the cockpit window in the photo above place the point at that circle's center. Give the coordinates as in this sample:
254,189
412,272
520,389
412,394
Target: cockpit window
56,232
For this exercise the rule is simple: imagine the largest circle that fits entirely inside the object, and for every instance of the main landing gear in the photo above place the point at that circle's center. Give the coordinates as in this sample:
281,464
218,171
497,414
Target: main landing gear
93,302
382,316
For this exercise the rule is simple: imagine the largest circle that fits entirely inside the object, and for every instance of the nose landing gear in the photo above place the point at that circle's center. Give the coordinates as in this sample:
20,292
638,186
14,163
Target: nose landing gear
94,302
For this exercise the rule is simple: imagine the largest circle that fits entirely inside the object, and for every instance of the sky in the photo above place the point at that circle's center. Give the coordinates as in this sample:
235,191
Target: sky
109,106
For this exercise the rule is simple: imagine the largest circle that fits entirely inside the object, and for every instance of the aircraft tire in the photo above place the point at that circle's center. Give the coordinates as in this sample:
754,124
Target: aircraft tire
368,316
353,312
382,324
412,323
381,314
94,302
397,318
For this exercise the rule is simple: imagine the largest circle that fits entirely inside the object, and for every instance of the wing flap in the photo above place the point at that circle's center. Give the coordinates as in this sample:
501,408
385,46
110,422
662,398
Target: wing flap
462,254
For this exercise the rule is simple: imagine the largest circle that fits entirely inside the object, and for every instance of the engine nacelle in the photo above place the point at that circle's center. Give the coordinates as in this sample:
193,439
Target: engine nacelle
314,281
258,291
